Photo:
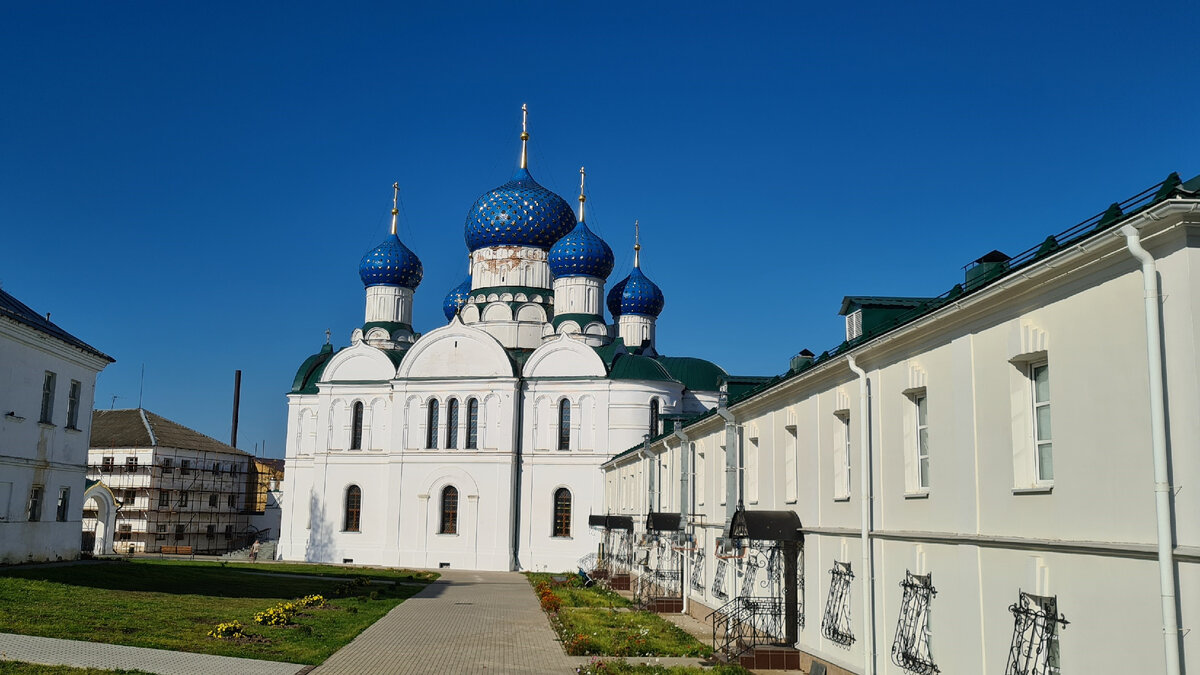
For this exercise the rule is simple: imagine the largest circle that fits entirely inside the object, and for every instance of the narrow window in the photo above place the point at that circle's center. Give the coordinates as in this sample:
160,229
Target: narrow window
654,417
790,453
922,409
449,510
835,625
73,405
910,649
164,498
35,503
431,425
1039,377
216,468
212,501
185,467
562,512
231,501
183,498
160,533
131,464
564,425
106,465
64,499
356,427
841,457
47,398
1034,648
229,532
178,532
452,423
472,424
168,466
210,532
353,509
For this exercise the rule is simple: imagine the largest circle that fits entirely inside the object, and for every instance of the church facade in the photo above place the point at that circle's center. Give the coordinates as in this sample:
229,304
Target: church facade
478,444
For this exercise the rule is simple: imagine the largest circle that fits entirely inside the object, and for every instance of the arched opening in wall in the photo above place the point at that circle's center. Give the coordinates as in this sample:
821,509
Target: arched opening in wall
431,425
472,424
564,425
562,512
449,524
356,426
97,534
654,418
351,521
452,423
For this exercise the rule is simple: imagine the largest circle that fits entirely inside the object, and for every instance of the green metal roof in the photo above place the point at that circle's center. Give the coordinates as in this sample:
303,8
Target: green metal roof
695,374
310,371
609,352
634,367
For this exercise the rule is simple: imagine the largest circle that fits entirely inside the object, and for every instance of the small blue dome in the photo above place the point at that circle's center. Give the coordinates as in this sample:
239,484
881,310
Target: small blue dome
518,213
580,254
456,298
636,294
391,264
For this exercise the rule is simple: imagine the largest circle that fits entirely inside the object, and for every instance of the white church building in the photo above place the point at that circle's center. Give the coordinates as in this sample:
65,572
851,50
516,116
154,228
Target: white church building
478,444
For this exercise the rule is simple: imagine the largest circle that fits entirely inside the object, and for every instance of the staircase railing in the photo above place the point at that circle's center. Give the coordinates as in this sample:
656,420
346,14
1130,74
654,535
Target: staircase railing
743,623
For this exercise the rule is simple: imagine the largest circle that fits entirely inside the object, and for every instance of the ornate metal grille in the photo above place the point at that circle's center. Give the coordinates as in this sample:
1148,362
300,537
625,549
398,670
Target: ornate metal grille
718,587
910,649
698,569
1034,648
836,623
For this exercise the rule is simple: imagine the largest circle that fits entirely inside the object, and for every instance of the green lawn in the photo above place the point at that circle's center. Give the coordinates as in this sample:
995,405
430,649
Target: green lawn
173,604
573,594
22,668
602,667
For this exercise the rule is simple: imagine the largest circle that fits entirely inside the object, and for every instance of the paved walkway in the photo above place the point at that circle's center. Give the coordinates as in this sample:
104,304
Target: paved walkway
465,622
52,651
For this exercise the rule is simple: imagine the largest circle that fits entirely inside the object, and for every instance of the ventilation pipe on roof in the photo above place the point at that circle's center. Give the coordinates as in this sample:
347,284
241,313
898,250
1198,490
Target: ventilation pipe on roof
1168,583
865,498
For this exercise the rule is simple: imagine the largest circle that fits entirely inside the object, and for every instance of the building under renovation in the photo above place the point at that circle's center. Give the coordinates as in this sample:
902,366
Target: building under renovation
177,490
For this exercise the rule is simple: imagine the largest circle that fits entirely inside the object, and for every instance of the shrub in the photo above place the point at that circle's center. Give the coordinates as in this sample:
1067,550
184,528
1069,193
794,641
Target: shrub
550,602
228,631
278,615
311,601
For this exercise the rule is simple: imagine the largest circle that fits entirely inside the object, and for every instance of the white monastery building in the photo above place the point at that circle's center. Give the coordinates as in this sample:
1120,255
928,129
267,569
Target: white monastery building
47,382
478,444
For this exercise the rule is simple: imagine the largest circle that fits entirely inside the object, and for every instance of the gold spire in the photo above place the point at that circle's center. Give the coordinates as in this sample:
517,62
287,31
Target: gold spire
637,244
395,199
524,135
582,198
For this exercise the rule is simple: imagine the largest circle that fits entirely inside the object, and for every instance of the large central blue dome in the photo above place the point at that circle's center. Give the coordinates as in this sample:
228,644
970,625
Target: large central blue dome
580,254
391,264
636,294
519,213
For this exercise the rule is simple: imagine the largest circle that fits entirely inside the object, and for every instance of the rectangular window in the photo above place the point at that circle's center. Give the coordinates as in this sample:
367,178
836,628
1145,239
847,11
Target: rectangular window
1039,380
128,497
835,625
48,398
212,501
64,500
183,498
1034,648
178,532
751,468
234,469
232,501
185,467
701,475
910,649
168,466
216,468
125,532
841,456
161,533
210,532
106,465
164,498
35,503
73,405
229,532
790,452
921,407
131,464
723,477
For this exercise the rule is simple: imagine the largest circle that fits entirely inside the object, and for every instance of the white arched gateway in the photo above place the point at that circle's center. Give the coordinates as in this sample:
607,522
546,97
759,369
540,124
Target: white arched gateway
99,519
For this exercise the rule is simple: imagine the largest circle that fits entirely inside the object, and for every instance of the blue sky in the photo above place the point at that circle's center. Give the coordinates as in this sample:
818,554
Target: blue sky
191,186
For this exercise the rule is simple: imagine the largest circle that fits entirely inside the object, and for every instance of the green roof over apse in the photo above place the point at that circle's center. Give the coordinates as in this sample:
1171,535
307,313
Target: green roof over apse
695,374
305,381
634,367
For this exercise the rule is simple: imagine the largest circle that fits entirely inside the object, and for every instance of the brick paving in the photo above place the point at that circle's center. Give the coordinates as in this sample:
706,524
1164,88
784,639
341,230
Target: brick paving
55,652
465,622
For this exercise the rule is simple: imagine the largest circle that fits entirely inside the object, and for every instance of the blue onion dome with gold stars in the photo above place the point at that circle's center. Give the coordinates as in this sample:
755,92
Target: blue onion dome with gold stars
390,264
519,213
456,298
636,294
580,254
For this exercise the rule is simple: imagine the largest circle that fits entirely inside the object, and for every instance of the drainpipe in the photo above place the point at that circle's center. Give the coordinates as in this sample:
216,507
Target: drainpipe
652,497
733,496
685,509
865,497
1158,431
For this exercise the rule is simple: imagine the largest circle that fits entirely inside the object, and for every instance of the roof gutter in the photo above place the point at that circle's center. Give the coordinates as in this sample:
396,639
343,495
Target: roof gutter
1168,582
865,498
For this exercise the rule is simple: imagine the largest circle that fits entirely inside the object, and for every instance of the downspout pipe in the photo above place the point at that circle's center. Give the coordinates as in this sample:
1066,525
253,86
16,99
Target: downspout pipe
651,483
1168,584
685,509
733,496
865,498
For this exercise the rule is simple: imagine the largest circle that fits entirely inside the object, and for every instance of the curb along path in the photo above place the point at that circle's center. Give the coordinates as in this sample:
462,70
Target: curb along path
56,652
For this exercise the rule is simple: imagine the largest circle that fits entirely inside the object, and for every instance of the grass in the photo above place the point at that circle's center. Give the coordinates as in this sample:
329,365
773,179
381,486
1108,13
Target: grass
602,667
588,622
23,668
167,604
573,594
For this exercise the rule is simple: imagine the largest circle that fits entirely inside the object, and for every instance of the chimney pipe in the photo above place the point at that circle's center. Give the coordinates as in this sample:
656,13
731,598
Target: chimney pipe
237,395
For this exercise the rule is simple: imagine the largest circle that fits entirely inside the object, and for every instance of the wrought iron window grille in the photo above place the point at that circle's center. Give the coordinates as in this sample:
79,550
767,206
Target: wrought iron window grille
1034,649
718,587
910,649
698,569
835,625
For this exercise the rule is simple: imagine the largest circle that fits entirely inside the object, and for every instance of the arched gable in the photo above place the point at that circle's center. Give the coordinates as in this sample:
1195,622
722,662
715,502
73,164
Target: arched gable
564,357
456,350
359,363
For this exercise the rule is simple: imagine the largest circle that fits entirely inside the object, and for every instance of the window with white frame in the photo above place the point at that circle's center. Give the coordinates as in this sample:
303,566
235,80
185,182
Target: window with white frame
64,501
701,477
916,442
751,467
1034,647
723,477
790,452
921,404
841,455
910,648
1039,381
35,503
73,404
48,397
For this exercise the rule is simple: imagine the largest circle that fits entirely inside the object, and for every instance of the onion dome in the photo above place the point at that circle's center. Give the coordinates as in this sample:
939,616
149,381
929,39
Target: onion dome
636,294
456,298
390,264
581,253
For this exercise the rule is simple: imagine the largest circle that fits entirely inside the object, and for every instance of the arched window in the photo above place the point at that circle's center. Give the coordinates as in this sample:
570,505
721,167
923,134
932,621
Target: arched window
562,512
564,425
452,423
654,418
353,509
431,428
473,424
449,510
356,425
